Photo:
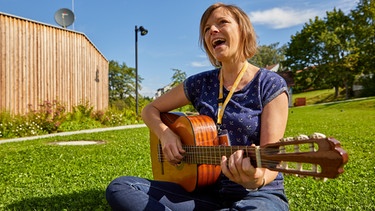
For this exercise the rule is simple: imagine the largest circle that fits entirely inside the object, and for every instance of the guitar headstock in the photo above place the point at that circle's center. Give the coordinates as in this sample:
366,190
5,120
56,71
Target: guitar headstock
314,155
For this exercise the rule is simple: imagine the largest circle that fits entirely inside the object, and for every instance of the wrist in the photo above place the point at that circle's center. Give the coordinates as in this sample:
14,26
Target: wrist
256,189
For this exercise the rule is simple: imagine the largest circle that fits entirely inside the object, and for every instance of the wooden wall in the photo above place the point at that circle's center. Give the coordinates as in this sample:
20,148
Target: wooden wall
40,62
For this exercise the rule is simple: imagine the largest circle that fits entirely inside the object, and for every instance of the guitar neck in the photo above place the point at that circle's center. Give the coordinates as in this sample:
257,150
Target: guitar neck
211,154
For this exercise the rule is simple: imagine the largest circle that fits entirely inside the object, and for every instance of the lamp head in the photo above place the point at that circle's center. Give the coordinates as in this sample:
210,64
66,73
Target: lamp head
143,30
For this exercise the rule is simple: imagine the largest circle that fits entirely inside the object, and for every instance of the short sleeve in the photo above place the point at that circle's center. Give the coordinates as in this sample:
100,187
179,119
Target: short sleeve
272,85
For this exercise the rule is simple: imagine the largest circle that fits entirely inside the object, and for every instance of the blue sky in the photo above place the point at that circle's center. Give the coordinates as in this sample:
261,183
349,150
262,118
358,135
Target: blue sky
172,41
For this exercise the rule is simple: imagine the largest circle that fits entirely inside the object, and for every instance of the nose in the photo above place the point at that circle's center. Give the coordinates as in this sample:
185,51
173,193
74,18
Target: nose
213,29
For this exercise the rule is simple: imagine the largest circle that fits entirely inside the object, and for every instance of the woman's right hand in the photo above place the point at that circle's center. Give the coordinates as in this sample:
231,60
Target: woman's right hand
170,142
171,147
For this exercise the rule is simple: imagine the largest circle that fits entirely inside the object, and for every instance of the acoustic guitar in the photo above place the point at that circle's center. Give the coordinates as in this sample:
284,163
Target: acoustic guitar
315,156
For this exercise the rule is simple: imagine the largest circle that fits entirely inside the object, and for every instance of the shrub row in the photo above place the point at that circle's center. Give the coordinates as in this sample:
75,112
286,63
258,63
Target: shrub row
53,117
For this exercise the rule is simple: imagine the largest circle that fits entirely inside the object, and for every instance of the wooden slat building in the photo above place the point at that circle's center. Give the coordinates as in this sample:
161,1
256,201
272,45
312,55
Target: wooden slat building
41,62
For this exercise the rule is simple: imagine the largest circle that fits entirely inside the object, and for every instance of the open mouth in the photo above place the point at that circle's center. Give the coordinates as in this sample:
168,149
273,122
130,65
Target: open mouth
218,42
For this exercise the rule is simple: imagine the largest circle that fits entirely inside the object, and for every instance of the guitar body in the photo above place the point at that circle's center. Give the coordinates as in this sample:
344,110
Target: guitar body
193,131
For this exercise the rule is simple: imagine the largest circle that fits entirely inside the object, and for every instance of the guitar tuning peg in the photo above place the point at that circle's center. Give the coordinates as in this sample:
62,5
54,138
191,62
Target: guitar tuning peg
301,137
287,139
317,136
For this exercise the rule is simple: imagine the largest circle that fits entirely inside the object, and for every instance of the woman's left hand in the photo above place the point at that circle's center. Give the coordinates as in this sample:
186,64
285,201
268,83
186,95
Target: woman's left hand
238,169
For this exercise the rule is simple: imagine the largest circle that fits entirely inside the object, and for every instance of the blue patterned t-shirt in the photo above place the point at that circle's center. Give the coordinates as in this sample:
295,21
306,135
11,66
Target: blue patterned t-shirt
242,114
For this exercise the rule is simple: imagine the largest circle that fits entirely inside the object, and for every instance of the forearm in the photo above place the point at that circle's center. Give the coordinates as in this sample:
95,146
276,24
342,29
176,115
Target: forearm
151,117
167,102
274,120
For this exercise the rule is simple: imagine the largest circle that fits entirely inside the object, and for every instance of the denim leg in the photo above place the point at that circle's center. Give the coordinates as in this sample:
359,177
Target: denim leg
134,193
262,200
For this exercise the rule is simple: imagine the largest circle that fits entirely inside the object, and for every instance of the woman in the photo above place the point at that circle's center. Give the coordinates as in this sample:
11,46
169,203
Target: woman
252,109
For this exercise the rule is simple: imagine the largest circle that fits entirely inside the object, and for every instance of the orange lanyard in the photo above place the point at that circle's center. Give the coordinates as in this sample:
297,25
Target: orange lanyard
220,111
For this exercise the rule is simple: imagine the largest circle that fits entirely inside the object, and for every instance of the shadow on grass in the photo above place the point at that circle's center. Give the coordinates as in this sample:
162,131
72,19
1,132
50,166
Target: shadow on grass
86,200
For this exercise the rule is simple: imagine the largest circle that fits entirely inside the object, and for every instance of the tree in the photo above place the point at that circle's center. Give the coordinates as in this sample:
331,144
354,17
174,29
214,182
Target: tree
304,56
364,30
121,82
339,61
340,55
334,51
268,55
323,54
178,77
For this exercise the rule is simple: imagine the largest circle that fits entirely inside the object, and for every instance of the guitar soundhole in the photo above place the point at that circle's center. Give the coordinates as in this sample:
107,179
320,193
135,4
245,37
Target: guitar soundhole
180,166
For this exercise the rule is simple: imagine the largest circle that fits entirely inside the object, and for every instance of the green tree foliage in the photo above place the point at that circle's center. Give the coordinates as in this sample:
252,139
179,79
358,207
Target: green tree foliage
368,83
333,51
268,55
178,77
303,55
122,82
364,32
341,57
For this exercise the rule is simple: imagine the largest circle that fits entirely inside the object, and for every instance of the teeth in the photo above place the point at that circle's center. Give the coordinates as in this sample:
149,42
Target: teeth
216,41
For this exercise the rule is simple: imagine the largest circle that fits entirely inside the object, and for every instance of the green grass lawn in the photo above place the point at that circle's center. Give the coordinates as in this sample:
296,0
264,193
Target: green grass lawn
353,124
319,96
35,175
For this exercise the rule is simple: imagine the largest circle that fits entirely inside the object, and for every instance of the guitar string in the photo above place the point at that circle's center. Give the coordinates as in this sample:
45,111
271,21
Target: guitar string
202,151
212,155
207,159
190,157
270,164
217,160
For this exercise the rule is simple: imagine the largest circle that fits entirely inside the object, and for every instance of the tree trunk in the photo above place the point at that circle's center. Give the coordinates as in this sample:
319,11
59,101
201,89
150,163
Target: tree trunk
336,91
346,90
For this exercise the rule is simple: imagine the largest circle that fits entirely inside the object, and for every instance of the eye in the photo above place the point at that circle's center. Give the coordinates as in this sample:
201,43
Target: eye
223,21
205,29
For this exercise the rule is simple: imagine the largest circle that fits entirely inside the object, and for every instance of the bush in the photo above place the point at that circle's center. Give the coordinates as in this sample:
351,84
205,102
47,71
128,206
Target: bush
115,116
82,111
12,126
368,86
52,117
49,116
82,117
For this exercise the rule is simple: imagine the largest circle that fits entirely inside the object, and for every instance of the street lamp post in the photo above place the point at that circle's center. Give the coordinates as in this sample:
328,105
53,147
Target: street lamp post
143,33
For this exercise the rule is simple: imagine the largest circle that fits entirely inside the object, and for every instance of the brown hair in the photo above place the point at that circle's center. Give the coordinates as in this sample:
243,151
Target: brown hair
249,44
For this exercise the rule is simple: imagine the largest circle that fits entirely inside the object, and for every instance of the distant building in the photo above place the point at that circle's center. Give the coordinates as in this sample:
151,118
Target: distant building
273,68
163,90
41,62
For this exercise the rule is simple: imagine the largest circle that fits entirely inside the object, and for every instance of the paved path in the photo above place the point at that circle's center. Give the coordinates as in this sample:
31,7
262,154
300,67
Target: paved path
72,133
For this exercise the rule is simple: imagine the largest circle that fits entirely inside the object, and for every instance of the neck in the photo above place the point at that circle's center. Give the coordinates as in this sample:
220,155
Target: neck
230,71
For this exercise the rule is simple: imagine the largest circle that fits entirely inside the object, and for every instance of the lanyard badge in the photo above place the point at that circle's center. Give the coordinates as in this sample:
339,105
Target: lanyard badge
222,104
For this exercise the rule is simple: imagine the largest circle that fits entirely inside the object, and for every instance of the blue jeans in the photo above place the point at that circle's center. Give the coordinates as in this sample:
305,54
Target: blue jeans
134,193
